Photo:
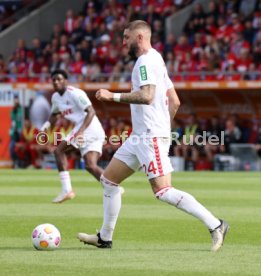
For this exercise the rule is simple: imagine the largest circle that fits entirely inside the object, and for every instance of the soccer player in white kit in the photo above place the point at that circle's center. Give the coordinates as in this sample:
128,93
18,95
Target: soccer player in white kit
87,135
153,102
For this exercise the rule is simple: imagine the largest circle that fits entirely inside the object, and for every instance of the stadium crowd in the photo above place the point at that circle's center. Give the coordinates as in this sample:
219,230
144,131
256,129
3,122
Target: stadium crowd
222,43
13,10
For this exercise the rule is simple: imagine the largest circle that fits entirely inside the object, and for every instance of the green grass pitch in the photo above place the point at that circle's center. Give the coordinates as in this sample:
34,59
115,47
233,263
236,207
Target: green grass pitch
151,238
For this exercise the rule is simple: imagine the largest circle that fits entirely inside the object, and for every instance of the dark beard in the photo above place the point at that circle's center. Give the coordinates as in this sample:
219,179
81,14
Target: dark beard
133,51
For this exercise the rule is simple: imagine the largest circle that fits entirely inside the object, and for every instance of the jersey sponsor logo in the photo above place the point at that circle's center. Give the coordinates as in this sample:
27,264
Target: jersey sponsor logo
67,112
143,73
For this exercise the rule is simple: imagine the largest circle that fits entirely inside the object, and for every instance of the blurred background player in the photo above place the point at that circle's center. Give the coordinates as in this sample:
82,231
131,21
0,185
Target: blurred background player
154,103
87,135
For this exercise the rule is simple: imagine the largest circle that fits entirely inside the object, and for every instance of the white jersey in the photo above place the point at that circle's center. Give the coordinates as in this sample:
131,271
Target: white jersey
154,119
72,105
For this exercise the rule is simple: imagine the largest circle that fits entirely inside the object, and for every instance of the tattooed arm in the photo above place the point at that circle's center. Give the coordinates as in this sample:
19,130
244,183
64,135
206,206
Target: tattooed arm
144,96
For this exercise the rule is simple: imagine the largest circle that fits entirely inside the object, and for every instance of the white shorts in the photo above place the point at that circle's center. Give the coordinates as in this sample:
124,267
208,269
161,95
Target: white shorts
149,154
93,141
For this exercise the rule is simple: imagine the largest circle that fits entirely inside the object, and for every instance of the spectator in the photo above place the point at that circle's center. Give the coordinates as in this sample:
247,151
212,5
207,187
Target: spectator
21,49
212,11
182,46
156,43
92,71
77,65
252,73
224,31
176,136
85,48
55,62
255,136
70,22
66,64
170,63
214,129
24,150
96,5
16,128
188,149
231,73
3,69
232,135
38,65
57,31
211,46
257,48
237,27
244,61
247,7
102,53
55,44
150,15
37,49
238,43
91,15
249,32
77,34
64,50
89,32
198,17
210,27
116,75
257,18
44,76
170,43
158,29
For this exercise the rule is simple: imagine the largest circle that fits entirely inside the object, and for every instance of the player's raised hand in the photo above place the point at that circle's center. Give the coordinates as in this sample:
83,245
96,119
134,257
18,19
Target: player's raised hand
104,95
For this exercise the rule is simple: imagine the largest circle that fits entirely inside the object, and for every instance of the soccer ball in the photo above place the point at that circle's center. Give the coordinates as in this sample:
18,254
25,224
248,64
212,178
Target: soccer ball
46,237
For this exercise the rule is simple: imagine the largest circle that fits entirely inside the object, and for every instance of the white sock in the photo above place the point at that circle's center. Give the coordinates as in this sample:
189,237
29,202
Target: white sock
111,208
65,181
189,204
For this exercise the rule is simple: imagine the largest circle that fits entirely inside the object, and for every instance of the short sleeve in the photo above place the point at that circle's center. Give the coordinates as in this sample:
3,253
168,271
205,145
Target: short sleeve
81,99
54,108
146,72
